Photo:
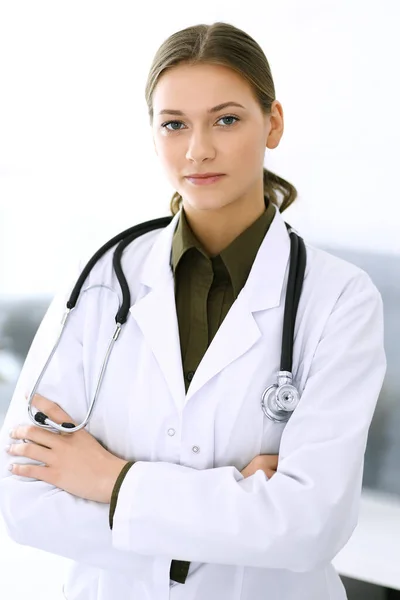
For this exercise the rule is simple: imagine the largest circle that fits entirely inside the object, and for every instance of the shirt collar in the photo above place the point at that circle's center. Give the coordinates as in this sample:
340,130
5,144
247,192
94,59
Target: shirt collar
238,257
183,240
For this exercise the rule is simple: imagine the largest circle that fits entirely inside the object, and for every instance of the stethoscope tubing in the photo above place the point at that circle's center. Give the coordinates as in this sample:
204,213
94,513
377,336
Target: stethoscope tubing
295,280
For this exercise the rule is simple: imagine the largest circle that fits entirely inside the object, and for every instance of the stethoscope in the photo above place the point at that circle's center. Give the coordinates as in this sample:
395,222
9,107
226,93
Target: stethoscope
278,400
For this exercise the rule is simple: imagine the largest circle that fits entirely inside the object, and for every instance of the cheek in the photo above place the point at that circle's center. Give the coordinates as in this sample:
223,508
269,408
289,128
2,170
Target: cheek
251,151
247,152
169,154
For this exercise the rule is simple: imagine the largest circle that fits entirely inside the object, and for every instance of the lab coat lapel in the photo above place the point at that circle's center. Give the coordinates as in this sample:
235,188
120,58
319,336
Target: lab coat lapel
155,312
263,290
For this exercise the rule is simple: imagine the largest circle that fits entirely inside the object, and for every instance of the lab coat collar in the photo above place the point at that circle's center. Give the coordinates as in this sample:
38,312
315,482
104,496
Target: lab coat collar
264,285
155,311
156,271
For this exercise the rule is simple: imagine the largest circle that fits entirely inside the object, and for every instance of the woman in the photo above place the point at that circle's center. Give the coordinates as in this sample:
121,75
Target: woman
175,489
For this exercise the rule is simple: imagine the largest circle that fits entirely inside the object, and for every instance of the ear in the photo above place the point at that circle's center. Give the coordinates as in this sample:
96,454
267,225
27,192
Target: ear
276,125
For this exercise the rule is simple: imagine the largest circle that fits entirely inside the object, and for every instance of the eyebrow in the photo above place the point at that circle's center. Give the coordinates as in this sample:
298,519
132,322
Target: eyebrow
210,110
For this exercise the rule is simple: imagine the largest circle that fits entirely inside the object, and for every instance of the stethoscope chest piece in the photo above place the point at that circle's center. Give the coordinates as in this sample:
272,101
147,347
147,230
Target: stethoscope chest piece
280,399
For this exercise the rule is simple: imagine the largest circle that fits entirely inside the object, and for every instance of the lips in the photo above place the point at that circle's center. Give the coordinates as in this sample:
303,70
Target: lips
205,176
204,180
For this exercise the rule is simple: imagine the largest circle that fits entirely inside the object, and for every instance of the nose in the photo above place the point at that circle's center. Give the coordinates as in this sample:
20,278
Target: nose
200,147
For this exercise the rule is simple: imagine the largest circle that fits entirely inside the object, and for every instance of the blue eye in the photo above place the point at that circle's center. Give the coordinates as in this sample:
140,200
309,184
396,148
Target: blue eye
164,125
229,117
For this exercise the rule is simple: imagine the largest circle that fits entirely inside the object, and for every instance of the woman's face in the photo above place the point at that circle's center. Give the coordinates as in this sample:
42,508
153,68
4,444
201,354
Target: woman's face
190,138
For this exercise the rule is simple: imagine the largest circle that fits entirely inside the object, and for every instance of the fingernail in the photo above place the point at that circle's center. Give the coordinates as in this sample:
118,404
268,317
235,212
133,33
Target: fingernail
7,448
10,468
11,433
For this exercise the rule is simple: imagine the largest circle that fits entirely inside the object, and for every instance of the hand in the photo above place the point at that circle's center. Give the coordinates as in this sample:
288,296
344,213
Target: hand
266,462
74,462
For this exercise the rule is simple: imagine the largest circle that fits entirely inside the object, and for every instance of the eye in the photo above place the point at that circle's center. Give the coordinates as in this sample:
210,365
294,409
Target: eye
165,125
230,117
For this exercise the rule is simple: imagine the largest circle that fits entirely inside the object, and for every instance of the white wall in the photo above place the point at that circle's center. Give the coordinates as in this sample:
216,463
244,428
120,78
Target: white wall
76,160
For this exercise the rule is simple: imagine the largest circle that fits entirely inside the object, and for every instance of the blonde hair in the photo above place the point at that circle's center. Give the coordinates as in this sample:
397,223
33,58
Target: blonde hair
222,44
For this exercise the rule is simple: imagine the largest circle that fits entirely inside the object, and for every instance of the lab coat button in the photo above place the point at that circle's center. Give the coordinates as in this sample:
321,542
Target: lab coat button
195,449
171,431
190,375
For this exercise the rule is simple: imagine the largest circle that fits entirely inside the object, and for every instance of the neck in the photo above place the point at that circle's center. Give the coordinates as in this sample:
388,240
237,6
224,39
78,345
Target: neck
216,229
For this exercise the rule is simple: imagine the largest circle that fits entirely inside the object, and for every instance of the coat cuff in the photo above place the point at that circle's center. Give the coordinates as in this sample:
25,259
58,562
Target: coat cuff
114,495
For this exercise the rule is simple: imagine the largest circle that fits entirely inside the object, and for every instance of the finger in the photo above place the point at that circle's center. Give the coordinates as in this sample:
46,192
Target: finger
32,451
272,459
51,409
35,434
32,471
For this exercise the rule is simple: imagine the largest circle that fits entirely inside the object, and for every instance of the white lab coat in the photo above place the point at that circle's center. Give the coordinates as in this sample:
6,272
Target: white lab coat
185,498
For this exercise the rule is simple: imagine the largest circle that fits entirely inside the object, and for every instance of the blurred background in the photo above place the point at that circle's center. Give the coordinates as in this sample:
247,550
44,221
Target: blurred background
77,166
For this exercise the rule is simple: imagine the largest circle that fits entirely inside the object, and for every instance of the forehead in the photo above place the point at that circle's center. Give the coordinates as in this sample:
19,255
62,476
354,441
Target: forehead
195,88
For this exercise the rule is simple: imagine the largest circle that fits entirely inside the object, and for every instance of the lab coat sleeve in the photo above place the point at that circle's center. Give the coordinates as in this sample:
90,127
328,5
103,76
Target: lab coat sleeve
301,517
38,514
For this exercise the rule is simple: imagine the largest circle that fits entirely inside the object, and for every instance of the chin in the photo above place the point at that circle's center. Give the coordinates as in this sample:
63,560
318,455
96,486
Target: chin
205,201
208,205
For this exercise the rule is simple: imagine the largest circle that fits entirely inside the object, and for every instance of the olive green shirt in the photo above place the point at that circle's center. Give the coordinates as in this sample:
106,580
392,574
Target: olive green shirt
205,289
